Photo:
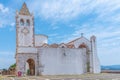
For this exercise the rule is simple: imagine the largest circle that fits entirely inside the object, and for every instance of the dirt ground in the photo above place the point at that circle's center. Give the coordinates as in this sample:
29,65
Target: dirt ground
103,76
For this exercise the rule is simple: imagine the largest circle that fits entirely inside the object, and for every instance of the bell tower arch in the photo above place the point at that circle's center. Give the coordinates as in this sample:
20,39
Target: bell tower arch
24,27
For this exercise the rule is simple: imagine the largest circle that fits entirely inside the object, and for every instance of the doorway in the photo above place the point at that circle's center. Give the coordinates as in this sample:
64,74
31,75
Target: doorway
30,67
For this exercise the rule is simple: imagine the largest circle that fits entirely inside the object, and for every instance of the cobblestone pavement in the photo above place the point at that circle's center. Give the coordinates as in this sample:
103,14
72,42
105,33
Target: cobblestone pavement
66,77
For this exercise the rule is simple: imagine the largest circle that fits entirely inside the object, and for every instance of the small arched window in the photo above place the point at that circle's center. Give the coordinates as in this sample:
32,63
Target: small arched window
82,46
22,22
28,22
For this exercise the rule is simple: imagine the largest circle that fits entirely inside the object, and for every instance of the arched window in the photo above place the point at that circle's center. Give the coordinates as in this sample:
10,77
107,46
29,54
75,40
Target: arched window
22,22
28,22
82,46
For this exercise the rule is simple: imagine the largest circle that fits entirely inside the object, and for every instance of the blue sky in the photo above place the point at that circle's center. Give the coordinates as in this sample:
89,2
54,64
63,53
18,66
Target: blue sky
62,21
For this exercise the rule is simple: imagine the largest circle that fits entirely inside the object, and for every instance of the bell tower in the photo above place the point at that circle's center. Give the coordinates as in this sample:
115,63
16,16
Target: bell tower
24,28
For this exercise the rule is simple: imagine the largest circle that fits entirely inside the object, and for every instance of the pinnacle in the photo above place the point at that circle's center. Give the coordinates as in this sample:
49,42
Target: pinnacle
24,10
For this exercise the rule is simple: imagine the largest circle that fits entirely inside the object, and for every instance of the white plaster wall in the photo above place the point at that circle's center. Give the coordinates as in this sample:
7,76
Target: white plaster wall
26,50
55,62
40,40
96,63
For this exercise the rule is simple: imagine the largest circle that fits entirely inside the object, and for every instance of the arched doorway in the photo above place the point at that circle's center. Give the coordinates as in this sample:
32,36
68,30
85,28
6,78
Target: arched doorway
30,67
87,57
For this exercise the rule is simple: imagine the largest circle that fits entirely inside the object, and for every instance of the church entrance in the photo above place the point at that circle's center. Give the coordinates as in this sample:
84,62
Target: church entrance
30,67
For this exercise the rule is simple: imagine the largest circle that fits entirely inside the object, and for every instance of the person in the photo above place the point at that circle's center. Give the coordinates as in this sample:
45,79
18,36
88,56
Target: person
19,73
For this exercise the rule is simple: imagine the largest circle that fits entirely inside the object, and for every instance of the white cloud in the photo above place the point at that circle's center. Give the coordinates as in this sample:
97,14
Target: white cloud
6,16
66,10
12,24
3,9
60,9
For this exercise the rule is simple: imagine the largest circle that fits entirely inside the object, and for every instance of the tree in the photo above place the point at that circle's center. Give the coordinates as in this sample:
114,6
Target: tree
13,66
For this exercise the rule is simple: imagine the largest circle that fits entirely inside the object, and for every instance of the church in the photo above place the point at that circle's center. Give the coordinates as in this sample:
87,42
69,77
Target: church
34,56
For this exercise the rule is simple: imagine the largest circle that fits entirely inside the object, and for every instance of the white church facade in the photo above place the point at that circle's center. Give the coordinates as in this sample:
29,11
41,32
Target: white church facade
34,56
